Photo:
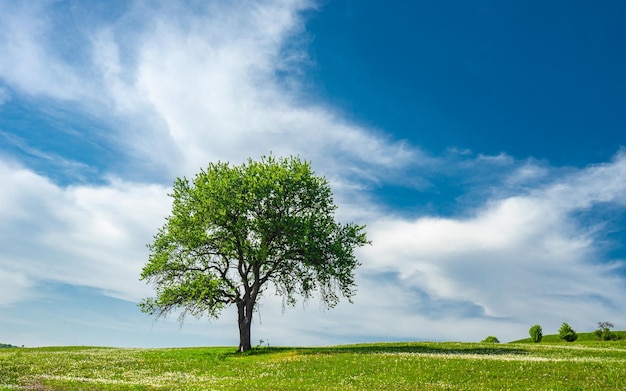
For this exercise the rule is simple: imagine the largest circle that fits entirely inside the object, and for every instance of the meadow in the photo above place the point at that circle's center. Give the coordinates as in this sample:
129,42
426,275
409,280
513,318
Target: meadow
586,365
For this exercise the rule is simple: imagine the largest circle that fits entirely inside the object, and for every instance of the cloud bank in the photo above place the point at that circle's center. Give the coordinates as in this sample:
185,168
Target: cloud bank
524,258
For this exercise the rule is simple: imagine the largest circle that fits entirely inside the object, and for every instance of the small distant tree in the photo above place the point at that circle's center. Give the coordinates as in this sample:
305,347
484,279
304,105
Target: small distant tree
567,333
604,331
490,339
536,334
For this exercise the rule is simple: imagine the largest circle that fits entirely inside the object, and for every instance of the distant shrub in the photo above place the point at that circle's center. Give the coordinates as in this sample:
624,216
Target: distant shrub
536,333
604,332
567,333
490,339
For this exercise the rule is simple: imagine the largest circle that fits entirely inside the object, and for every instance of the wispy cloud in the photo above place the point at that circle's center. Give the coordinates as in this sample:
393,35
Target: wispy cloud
81,235
200,84
30,63
220,95
15,145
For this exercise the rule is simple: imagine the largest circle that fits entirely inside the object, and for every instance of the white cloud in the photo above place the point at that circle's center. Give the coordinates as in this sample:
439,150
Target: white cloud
200,84
82,235
221,100
524,258
15,287
28,65
500,159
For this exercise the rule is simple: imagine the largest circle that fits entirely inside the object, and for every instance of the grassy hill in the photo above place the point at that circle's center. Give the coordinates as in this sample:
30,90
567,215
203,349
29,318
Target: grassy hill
582,337
384,366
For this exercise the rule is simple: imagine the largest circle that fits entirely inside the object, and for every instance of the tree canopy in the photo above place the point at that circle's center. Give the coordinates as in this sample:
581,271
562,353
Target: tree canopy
235,231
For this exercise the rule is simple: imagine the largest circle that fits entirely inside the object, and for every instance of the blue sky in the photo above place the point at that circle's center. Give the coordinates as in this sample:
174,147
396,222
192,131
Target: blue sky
481,142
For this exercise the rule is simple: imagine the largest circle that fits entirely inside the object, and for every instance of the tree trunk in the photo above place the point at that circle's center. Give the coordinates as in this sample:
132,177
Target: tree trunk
244,310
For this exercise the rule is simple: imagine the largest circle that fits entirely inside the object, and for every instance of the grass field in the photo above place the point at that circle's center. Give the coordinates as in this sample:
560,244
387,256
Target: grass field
584,365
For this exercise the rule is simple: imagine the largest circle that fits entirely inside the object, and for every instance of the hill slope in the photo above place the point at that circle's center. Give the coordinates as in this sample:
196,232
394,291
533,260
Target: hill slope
582,337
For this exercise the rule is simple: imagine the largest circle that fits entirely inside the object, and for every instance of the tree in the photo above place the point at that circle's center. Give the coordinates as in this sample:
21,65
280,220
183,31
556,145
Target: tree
536,334
567,333
604,331
490,339
236,231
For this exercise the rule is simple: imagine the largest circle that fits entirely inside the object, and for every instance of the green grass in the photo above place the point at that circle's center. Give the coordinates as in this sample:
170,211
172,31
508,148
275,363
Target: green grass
388,366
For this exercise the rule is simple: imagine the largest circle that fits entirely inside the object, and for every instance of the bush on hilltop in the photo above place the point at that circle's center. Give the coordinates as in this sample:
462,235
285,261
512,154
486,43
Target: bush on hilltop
604,332
567,333
536,333
490,339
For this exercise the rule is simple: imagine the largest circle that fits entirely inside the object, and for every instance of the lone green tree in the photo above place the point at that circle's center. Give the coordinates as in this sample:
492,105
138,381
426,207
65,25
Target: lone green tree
235,231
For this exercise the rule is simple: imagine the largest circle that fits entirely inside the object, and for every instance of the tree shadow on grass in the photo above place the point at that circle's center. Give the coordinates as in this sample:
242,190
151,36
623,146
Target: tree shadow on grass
443,348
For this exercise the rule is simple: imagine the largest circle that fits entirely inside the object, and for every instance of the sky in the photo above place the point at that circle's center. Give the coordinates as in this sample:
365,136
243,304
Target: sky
482,143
